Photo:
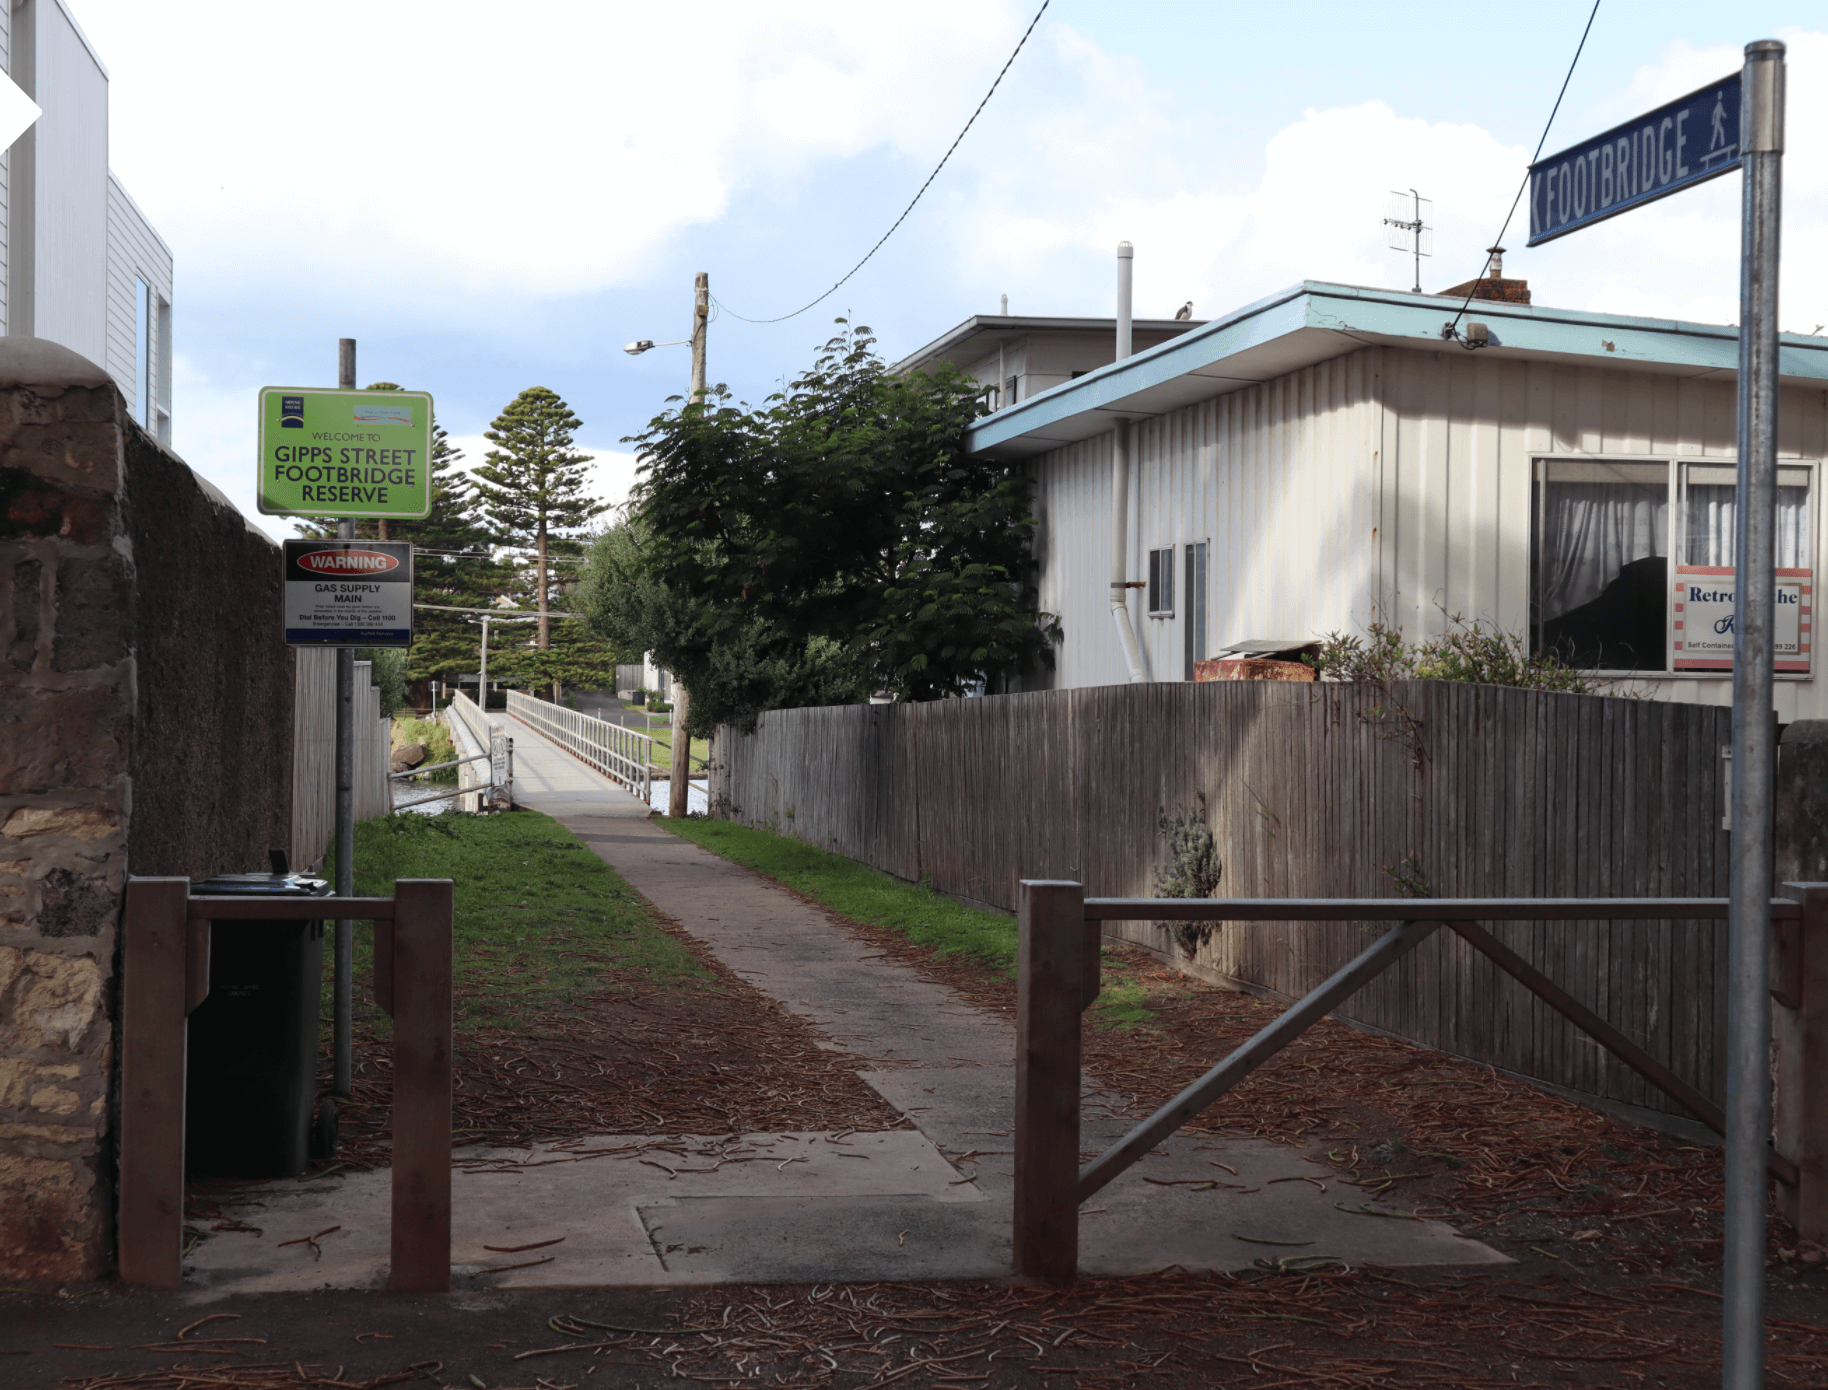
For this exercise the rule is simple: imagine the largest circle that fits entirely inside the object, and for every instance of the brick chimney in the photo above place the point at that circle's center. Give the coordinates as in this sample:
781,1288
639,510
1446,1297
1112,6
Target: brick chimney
1492,284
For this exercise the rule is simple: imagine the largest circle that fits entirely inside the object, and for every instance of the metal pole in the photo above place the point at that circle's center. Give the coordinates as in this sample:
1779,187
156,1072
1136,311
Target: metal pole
680,773
1416,232
343,988
1748,1076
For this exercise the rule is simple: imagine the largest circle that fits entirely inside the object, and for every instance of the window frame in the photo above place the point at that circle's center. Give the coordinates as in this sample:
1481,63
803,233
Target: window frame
1161,578
1194,636
144,327
1675,465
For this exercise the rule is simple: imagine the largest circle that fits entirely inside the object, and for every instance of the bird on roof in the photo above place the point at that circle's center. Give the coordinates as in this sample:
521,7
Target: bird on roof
1185,311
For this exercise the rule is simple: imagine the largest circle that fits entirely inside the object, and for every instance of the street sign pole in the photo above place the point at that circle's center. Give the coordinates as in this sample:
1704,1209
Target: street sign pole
343,989
1748,1076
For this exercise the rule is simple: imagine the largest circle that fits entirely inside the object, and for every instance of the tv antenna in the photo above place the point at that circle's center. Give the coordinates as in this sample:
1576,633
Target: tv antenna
1410,218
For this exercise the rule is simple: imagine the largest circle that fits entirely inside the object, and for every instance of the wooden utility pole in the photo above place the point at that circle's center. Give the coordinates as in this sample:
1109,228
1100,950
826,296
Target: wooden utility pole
680,777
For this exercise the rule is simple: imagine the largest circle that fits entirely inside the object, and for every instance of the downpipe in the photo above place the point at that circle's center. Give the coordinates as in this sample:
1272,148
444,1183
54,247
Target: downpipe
1120,488
1120,584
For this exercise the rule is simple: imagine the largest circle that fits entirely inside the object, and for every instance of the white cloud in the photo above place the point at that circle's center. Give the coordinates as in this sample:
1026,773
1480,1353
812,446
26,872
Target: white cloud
512,163
547,150
1170,185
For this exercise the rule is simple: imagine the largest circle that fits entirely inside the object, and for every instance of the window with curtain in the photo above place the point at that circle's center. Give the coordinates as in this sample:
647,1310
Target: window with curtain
1601,564
1709,516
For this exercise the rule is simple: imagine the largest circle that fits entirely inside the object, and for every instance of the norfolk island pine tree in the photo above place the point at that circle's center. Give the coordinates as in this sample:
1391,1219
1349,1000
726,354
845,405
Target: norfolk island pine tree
531,486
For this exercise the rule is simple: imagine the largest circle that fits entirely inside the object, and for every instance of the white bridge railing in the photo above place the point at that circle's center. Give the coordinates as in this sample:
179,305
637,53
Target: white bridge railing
625,756
493,790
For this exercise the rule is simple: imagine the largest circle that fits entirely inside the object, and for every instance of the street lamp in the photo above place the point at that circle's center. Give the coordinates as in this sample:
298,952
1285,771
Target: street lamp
635,349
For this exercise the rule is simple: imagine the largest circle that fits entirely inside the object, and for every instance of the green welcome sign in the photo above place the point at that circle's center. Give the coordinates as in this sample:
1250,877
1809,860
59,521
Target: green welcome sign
345,453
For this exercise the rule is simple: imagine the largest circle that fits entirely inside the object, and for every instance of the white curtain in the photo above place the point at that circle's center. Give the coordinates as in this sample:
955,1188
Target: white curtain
1593,529
1712,517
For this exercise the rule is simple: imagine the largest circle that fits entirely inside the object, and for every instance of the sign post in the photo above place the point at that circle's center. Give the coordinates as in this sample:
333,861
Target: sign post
1748,1025
349,454
1735,123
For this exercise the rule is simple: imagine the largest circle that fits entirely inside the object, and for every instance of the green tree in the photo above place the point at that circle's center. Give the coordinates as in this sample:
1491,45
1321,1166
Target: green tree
532,487
741,671
846,512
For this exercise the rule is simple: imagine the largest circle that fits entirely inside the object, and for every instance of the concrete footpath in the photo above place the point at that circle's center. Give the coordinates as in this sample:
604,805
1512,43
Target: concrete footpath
931,1202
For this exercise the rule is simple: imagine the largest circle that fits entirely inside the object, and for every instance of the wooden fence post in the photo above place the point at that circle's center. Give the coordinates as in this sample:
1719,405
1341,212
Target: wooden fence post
1049,998
421,988
156,988
1800,1028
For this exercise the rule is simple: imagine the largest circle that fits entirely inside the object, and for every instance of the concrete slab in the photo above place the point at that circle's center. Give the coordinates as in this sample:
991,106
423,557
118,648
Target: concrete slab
949,1067
933,1202
590,1196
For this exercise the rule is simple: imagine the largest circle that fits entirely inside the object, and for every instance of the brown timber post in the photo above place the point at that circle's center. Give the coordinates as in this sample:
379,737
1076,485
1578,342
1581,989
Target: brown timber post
1800,1030
421,989
1050,994
157,995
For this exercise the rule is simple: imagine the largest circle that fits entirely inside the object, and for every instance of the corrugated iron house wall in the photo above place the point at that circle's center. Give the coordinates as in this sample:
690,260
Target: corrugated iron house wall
1382,483
1274,477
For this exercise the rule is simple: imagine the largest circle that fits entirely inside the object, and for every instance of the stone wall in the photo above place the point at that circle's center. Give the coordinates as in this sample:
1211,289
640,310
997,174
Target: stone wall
145,718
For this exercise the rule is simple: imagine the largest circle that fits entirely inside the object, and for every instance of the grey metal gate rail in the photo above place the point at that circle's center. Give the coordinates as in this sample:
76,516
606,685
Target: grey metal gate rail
1058,978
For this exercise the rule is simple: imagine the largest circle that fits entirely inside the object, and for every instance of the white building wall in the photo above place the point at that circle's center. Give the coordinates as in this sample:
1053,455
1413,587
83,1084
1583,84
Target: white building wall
1460,436
6,181
1280,480
136,252
1385,483
70,247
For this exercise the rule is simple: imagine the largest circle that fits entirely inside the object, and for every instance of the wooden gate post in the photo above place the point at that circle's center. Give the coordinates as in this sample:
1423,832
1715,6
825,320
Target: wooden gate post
420,985
1049,997
1799,982
156,994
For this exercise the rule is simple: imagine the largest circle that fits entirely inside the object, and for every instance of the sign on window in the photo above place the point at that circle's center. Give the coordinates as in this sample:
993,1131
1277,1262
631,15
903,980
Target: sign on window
1702,630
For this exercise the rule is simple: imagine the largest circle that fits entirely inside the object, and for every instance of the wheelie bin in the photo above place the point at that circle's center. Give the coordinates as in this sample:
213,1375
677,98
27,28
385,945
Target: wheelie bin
251,1072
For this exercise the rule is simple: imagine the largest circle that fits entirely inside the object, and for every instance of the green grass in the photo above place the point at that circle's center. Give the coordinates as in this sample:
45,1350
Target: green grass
663,737
438,746
845,886
984,938
542,924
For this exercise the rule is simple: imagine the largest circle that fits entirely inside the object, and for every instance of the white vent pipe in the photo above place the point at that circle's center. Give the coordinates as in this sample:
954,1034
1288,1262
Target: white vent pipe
1125,258
1120,490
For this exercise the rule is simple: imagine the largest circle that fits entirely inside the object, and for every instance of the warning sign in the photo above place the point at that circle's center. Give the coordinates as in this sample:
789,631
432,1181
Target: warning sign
349,593
345,453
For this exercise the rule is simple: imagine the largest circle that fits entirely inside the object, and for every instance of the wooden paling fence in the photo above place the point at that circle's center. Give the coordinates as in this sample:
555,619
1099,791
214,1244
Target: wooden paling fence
314,752
1313,791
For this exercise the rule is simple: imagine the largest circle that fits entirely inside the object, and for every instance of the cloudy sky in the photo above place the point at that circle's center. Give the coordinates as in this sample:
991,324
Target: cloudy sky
491,197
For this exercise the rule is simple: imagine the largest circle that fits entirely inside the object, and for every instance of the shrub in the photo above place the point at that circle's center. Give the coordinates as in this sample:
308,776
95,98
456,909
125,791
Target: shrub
1471,652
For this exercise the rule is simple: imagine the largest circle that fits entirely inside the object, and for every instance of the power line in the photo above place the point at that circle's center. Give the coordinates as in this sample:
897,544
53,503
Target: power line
1499,239
923,188
503,614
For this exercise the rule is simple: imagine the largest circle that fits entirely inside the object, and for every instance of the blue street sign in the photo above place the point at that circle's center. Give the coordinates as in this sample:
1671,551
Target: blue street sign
1674,147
